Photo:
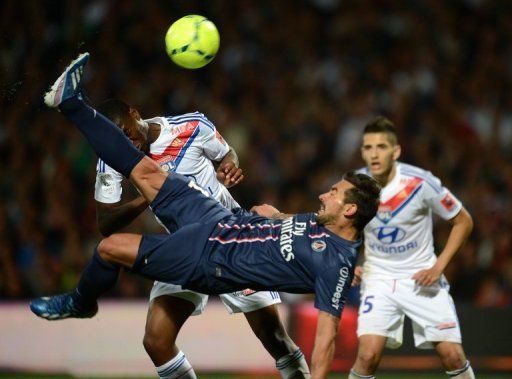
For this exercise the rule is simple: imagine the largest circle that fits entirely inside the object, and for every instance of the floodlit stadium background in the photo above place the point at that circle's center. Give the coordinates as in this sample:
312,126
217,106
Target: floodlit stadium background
290,89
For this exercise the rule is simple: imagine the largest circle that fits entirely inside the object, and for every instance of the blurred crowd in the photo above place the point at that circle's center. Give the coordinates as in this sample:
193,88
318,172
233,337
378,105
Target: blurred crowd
291,89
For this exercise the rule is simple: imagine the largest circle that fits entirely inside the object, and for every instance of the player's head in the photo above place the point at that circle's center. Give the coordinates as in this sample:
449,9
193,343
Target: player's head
380,148
352,201
128,120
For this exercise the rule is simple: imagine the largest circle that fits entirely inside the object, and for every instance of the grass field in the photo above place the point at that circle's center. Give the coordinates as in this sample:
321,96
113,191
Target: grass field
233,376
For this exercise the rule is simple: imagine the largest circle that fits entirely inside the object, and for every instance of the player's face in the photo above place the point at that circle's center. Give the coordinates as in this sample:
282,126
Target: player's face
379,153
333,206
136,129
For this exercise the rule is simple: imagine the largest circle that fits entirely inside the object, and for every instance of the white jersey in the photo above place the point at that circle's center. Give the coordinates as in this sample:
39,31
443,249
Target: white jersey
187,144
398,241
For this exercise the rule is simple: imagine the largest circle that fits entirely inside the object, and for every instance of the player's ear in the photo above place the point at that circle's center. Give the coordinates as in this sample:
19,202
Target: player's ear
397,150
350,210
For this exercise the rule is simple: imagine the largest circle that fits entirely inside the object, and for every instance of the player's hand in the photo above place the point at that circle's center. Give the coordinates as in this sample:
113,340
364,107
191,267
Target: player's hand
229,175
265,210
358,274
427,277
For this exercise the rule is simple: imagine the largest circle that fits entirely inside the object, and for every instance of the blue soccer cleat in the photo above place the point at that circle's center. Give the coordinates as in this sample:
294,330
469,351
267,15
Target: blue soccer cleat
68,84
59,307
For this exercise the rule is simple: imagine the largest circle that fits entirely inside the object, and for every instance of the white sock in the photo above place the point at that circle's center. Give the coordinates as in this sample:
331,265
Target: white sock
292,364
178,367
355,375
465,372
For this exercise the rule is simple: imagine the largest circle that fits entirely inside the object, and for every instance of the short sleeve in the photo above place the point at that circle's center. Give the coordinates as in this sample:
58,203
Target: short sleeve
108,187
331,289
214,146
440,199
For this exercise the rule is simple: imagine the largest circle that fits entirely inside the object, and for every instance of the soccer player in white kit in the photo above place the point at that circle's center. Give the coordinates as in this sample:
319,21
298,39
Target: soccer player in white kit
401,274
187,144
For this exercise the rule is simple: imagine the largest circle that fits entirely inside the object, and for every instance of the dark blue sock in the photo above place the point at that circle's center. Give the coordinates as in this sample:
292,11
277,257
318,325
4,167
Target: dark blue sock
107,140
97,278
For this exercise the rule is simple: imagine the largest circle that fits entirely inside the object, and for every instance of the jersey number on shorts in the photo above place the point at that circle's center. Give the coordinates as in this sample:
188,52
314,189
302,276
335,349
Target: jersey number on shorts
367,304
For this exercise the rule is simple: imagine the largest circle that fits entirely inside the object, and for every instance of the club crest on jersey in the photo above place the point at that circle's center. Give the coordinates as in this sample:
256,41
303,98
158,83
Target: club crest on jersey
318,246
166,163
384,213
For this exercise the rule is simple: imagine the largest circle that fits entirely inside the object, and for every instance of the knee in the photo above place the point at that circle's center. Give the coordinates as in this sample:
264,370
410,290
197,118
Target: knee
453,358
368,359
107,248
154,343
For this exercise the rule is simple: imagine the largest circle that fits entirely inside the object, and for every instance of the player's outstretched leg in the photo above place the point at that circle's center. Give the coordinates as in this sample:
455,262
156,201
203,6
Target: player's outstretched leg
98,277
107,140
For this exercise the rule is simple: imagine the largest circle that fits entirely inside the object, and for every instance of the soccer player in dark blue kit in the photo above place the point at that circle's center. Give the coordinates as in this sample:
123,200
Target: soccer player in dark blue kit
215,250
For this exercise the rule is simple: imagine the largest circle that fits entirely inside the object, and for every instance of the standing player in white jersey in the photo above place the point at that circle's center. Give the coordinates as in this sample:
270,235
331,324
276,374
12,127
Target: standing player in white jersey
401,274
187,144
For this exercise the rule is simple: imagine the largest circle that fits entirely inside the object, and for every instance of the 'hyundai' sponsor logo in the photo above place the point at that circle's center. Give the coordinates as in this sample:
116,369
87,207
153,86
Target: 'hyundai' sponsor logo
389,234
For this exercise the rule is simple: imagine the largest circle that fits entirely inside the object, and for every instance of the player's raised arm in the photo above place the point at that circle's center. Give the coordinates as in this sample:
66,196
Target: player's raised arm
323,351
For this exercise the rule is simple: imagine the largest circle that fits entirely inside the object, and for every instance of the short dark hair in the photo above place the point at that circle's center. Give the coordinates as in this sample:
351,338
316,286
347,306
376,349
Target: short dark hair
365,194
382,124
115,110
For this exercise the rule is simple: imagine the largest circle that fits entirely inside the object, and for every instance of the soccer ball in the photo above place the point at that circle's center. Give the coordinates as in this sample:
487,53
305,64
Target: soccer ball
192,41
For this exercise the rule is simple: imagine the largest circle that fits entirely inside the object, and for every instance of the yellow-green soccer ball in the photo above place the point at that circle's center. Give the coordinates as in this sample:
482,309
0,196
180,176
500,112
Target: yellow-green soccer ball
192,41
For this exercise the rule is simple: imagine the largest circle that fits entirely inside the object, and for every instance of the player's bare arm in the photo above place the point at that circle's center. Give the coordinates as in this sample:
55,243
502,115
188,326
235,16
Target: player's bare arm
323,351
229,173
462,224
113,217
267,210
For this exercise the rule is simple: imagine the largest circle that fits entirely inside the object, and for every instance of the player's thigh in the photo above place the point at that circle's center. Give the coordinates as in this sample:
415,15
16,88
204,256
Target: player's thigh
379,314
432,312
171,258
166,290
181,201
120,248
249,300
148,177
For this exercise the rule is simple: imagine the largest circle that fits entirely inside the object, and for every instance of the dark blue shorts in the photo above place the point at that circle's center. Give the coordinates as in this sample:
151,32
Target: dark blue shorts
191,215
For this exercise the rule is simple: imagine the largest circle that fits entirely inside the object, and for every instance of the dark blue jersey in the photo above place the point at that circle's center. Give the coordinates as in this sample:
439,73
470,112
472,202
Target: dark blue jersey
218,251
293,255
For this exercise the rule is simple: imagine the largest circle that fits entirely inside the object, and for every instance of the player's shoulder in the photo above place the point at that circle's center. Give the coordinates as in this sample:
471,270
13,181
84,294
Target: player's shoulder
411,171
198,117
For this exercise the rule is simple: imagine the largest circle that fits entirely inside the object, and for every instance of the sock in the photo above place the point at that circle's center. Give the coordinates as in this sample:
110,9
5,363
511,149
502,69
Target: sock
107,140
465,372
97,278
292,364
178,367
355,375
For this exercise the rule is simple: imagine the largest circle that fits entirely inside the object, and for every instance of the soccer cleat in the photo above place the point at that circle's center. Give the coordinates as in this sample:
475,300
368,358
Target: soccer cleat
59,307
68,83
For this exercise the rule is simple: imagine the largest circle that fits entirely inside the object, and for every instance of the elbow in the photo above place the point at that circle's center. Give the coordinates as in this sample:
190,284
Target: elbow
468,221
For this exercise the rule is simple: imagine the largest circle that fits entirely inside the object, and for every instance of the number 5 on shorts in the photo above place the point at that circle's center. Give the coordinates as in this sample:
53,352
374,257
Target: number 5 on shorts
367,304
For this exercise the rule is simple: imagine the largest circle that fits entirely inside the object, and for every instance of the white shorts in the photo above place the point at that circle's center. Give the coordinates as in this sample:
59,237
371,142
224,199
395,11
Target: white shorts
236,302
385,302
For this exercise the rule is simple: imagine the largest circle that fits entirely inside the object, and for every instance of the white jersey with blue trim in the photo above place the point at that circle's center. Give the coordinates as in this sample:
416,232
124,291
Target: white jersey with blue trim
398,241
187,144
